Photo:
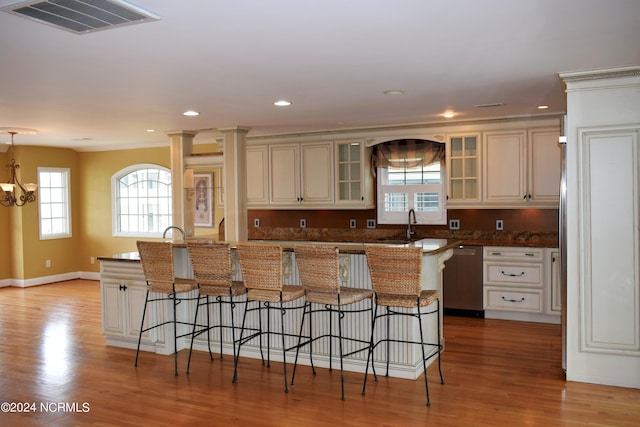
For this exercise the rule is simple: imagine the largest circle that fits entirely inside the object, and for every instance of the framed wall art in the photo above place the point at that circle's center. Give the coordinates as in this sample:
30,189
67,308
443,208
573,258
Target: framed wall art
203,199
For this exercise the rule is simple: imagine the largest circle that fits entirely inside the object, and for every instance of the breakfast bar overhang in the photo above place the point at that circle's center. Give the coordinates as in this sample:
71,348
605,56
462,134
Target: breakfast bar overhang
123,289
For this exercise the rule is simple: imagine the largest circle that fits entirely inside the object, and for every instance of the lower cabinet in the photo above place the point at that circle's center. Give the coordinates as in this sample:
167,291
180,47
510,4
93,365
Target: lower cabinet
123,291
519,285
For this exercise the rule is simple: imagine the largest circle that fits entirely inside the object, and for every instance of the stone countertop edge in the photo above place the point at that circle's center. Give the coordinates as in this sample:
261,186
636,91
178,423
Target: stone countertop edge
434,247
348,247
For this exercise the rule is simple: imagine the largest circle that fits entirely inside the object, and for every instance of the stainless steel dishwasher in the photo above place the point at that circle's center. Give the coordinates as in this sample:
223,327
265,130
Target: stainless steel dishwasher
462,282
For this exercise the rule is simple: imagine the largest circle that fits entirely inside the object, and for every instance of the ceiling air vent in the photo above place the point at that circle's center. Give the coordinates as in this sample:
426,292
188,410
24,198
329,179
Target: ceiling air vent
82,16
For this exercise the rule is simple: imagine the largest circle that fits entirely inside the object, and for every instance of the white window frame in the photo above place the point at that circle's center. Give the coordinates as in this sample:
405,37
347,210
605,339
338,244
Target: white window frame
115,213
438,217
61,200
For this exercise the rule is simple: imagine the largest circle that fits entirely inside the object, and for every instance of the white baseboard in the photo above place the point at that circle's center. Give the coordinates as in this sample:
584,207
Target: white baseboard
37,281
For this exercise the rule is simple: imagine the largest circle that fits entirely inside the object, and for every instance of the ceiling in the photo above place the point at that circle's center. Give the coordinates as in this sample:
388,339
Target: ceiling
333,59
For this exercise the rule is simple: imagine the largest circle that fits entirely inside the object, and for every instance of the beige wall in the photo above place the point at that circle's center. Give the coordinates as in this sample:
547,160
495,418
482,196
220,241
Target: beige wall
95,170
27,252
90,212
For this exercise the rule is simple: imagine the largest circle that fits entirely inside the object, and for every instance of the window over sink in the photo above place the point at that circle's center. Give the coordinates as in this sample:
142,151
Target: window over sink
410,175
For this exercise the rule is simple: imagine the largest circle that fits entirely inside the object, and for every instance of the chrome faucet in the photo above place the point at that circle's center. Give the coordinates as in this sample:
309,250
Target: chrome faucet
164,234
410,231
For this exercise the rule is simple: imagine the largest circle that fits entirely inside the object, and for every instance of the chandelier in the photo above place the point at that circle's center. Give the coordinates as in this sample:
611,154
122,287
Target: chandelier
14,193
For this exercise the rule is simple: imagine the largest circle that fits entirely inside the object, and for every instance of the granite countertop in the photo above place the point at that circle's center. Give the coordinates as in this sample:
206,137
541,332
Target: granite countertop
429,246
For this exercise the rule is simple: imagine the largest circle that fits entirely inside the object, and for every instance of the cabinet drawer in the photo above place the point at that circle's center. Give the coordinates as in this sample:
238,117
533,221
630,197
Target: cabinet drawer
513,274
513,254
513,299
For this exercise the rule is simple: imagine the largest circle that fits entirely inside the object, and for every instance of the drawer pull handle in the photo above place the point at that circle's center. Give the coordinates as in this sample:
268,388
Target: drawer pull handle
512,275
529,254
513,300
123,287
496,253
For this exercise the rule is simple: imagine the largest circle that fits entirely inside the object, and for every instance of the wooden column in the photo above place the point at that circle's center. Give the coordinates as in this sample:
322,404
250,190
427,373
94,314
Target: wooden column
235,181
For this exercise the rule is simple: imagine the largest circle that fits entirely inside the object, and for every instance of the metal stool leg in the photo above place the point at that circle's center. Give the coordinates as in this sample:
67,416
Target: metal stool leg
144,312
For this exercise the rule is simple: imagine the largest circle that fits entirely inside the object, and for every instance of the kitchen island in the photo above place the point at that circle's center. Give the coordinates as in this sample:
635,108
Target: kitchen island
123,290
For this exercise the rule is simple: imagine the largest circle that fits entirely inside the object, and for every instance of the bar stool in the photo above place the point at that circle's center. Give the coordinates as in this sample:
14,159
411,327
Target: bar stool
157,264
211,264
261,267
319,270
396,274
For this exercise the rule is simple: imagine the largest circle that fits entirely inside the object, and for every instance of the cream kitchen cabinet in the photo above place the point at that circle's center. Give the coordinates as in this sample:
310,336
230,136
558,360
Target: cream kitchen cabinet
258,175
353,179
301,175
554,297
463,173
521,168
517,284
123,290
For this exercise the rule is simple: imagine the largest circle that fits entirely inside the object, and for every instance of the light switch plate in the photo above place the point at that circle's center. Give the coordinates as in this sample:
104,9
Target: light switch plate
371,223
454,224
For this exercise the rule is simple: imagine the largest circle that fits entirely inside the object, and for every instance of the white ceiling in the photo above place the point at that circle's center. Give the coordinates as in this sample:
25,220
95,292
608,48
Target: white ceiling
231,59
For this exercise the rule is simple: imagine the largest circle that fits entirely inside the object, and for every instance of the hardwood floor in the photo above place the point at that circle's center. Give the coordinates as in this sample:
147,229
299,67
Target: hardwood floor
496,373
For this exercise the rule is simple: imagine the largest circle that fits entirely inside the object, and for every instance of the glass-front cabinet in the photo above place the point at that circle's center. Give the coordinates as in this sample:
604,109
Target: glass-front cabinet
464,169
353,182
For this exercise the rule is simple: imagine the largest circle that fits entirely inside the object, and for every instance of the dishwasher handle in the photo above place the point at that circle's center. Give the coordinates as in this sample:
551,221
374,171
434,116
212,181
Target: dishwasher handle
465,251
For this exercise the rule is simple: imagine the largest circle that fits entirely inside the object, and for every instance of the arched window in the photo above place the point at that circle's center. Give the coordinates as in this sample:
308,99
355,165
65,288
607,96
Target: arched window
141,200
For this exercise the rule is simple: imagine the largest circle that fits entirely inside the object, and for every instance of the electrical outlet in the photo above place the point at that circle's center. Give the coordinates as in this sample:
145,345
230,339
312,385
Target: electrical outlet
371,223
303,223
92,260
352,223
499,224
256,222
454,224
47,263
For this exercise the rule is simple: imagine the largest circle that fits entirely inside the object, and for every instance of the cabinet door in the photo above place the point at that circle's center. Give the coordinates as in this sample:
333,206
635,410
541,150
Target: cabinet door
463,154
135,295
284,167
555,292
113,322
257,178
544,166
504,167
316,165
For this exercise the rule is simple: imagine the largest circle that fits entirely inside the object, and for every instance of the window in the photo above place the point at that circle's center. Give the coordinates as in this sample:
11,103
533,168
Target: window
141,201
410,175
54,203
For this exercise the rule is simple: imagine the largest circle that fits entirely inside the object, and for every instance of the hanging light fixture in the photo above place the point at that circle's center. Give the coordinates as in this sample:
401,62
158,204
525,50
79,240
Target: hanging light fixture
14,193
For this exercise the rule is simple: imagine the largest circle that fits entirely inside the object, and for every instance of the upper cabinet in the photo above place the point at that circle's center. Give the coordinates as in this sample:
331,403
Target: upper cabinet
463,154
353,181
504,156
544,167
301,174
489,165
521,168
257,176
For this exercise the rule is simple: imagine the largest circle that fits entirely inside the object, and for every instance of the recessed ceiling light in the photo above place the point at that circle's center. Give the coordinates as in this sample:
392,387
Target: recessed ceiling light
393,92
151,130
282,103
190,113
449,114
542,107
